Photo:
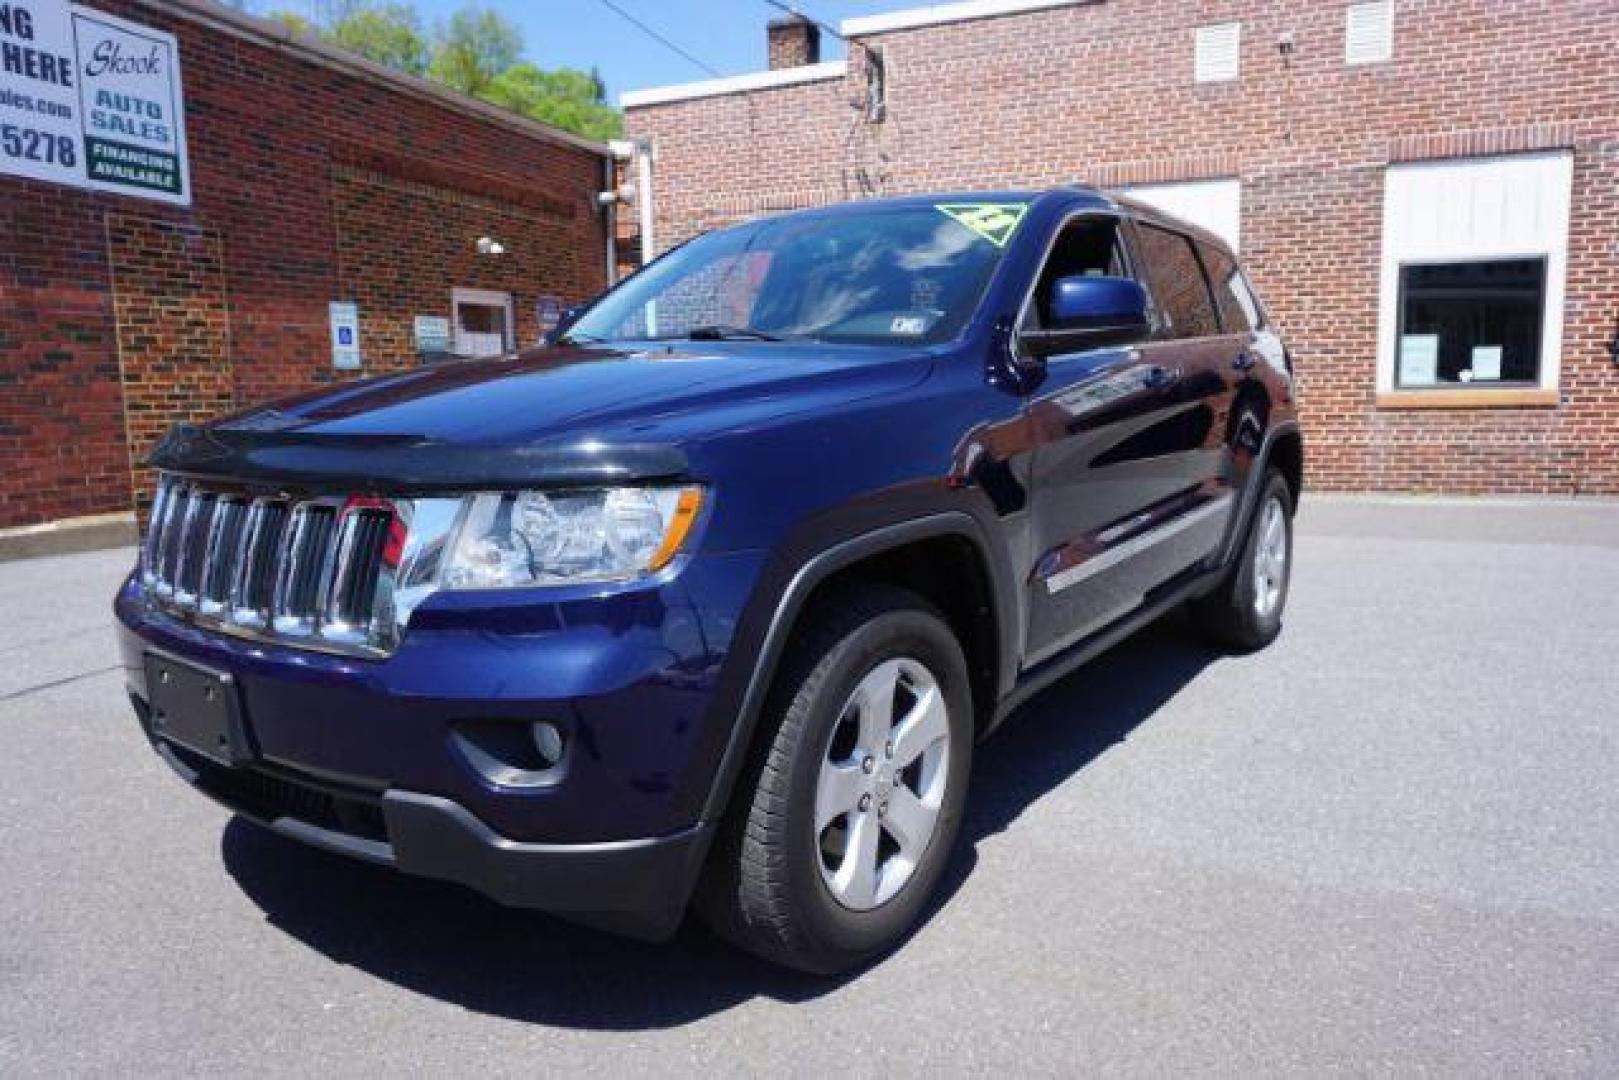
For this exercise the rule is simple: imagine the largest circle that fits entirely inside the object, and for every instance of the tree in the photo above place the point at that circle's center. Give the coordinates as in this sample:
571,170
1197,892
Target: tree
294,22
477,52
388,34
565,98
474,48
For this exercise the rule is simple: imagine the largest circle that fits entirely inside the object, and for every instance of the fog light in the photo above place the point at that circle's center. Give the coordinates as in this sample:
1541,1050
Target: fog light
513,752
548,741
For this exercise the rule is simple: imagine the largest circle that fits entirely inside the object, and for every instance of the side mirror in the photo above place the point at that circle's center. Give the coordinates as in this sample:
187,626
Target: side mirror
1087,312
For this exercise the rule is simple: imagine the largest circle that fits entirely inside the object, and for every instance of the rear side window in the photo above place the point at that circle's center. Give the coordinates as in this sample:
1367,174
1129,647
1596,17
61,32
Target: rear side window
1237,306
1178,283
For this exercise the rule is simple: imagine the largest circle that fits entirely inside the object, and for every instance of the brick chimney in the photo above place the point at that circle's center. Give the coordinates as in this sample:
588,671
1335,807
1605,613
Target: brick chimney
794,42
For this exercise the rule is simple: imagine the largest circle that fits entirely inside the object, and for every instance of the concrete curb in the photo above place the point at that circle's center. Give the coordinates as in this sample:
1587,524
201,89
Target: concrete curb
92,533
1396,498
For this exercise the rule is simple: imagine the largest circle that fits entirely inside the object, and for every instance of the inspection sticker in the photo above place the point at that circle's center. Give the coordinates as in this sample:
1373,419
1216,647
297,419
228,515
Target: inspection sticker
995,222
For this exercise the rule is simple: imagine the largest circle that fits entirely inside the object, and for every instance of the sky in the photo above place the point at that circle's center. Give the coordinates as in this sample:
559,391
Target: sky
727,35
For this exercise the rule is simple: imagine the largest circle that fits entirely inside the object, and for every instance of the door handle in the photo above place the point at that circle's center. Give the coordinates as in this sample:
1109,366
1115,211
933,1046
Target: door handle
1244,360
1157,377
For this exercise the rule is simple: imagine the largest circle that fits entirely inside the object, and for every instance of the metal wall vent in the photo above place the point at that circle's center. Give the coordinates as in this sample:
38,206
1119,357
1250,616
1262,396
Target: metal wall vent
1219,52
1369,32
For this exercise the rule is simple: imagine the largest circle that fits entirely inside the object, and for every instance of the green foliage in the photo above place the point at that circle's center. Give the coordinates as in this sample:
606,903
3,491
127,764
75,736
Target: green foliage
477,51
294,22
474,48
389,34
566,98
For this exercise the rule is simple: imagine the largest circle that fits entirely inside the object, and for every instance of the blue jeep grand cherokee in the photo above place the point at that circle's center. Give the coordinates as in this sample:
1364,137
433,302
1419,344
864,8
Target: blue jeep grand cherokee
709,601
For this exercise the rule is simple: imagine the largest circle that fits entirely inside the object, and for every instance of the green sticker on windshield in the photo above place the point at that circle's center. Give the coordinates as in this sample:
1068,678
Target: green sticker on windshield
995,222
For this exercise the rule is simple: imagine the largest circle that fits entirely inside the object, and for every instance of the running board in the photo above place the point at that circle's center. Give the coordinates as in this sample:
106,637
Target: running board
1037,678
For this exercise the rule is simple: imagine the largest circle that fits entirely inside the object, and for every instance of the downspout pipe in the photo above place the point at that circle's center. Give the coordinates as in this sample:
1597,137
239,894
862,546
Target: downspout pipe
609,205
639,152
643,197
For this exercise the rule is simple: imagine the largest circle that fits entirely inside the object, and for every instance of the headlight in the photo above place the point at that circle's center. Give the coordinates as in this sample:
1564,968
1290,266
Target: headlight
558,538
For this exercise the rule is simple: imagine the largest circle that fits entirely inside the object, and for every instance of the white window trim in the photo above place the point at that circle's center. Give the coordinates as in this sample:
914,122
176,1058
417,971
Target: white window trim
1555,252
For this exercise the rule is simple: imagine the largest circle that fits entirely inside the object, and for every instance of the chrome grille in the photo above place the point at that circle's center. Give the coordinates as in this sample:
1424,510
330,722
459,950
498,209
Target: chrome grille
253,575
301,568
362,540
193,544
219,553
304,571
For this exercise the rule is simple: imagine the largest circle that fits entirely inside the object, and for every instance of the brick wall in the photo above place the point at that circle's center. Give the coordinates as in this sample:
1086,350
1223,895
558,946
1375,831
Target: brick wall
1103,92
62,450
310,185
173,329
447,211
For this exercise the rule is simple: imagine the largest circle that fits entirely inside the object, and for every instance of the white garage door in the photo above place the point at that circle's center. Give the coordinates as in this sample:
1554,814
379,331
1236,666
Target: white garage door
1215,205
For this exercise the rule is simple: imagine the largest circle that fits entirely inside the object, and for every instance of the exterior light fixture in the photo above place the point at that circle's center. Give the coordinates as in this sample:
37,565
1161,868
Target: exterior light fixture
488,245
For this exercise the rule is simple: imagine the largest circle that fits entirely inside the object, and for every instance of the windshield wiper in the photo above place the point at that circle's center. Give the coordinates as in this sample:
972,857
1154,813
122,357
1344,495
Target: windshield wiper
720,332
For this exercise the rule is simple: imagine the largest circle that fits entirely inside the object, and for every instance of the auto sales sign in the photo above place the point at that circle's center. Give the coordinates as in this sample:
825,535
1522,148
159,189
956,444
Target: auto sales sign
91,100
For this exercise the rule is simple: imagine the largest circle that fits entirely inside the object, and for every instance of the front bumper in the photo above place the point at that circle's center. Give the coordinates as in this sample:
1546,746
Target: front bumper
362,756
634,887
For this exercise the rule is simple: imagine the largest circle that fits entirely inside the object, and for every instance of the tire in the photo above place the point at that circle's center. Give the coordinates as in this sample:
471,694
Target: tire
1245,611
791,888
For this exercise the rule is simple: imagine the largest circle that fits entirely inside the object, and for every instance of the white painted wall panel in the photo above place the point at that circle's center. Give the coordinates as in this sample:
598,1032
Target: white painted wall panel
1215,205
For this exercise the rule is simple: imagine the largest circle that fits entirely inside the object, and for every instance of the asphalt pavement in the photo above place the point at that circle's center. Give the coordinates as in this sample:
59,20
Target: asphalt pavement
1388,844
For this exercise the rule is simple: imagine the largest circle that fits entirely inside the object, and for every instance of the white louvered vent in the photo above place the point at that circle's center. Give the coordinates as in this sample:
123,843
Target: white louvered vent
1369,32
1219,52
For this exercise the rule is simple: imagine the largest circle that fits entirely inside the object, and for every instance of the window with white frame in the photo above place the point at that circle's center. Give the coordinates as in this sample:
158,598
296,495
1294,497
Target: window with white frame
483,324
1475,252
1217,55
1369,32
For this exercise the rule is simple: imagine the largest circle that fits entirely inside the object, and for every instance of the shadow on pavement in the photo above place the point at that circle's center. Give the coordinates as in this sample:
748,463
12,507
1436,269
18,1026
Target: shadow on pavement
449,943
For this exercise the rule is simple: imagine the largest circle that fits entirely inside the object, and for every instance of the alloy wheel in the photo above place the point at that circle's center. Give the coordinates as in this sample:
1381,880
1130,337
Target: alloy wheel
881,784
1270,558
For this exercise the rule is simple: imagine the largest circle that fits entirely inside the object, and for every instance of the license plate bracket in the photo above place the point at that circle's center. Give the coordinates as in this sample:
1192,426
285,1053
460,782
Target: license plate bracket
197,708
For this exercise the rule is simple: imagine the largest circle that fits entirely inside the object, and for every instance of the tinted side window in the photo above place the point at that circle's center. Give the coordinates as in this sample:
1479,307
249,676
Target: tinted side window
1178,283
1237,307
1087,247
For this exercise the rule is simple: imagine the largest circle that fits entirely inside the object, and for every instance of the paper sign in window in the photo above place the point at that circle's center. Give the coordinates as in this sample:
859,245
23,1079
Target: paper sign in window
1419,359
1486,362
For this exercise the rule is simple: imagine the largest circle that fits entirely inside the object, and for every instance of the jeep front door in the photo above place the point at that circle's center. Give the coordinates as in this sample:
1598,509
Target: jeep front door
1126,487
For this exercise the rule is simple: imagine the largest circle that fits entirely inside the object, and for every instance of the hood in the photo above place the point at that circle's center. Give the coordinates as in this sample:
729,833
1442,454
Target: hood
552,415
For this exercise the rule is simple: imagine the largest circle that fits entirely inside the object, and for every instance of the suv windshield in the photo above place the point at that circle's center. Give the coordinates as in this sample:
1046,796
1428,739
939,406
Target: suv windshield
887,275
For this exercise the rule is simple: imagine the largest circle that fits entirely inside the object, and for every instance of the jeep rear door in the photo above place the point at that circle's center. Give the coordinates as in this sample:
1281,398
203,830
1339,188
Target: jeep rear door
1248,348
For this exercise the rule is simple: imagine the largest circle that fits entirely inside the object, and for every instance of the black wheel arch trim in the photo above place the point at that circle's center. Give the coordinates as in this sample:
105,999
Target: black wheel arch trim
1254,484
816,570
